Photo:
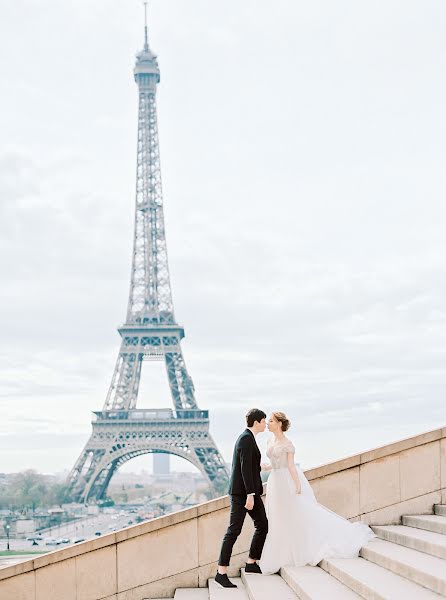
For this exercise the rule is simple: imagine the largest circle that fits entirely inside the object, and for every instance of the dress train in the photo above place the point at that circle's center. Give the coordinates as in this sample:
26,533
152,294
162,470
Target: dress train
300,530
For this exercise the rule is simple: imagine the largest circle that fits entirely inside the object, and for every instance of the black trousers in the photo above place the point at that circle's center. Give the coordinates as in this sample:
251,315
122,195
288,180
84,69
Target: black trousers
236,519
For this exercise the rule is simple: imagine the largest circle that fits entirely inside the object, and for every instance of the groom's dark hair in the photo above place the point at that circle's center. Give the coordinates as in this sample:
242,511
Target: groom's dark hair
253,415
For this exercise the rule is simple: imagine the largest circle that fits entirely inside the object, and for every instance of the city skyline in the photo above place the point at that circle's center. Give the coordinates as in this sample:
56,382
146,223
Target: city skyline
301,150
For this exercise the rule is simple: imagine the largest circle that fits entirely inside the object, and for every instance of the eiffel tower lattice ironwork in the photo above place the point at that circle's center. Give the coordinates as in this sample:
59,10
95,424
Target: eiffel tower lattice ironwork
121,431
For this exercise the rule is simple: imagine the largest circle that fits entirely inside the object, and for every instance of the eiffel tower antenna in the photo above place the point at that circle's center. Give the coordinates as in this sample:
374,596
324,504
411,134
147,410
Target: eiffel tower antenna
150,332
146,39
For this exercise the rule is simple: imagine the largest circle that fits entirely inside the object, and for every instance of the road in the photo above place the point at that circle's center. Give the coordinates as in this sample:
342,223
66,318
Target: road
103,523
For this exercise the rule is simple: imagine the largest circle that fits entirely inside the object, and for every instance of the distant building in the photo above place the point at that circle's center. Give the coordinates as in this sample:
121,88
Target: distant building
161,464
56,511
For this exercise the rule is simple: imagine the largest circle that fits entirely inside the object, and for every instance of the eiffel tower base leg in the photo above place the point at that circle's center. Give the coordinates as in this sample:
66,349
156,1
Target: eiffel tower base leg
114,441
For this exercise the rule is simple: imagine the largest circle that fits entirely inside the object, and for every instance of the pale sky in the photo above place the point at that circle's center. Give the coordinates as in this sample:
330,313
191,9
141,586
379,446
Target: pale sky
303,161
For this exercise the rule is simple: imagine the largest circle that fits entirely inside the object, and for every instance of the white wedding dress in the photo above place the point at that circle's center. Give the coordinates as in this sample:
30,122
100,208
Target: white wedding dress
300,530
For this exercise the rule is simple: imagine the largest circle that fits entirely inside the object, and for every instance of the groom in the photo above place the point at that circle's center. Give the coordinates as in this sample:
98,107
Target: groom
245,490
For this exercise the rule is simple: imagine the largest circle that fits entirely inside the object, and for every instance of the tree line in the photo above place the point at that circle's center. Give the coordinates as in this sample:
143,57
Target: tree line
30,491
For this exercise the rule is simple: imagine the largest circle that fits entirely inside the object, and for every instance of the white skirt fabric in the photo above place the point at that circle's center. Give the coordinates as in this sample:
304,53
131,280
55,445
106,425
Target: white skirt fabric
301,531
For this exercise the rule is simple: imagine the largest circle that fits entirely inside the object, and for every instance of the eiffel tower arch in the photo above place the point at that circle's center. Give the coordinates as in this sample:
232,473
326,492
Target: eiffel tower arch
121,431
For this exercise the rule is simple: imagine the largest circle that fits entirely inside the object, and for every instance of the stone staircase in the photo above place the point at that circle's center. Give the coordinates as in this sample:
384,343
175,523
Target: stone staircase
404,562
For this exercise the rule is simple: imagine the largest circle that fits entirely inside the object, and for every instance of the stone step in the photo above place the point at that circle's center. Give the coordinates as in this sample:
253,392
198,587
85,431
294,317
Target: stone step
313,583
428,571
216,592
440,509
434,523
267,587
373,582
191,594
418,539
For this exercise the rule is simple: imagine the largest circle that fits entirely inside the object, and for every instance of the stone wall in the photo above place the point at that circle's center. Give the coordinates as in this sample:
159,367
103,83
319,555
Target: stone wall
152,559
378,486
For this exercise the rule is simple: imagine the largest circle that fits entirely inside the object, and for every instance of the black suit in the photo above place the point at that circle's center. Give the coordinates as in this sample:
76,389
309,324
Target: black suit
245,479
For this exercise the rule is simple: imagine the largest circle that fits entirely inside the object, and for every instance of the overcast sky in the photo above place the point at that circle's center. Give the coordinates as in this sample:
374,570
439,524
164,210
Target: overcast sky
303,162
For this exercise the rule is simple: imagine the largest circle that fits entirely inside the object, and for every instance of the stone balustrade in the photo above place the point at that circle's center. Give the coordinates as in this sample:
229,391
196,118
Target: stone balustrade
152,559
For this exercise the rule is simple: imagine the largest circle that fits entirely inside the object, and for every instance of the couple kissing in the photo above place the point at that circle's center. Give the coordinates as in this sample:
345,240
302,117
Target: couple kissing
291,528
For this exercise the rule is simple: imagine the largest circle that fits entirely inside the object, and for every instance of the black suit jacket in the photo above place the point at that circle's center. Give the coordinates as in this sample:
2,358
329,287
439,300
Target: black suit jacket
245,476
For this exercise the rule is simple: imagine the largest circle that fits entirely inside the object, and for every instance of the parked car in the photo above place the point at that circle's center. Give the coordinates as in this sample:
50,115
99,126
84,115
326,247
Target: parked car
37,537
76,540
98,533
51,542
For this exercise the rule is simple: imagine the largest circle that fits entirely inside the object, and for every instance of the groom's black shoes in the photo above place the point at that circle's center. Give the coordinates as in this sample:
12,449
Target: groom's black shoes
224,581
253,568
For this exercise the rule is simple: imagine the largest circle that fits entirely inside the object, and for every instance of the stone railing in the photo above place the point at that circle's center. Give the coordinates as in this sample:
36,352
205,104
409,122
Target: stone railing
152,559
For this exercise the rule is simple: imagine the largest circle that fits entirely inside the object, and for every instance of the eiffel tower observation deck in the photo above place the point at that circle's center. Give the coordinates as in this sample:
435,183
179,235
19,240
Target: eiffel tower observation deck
151,332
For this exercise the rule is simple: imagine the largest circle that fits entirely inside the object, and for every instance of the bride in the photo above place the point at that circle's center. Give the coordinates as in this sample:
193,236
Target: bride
300,530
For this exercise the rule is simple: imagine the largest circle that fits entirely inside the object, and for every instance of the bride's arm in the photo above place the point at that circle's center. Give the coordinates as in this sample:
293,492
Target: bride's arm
293,471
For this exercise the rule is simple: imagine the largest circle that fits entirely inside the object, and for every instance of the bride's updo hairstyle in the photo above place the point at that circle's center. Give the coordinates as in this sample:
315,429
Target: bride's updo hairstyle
283,419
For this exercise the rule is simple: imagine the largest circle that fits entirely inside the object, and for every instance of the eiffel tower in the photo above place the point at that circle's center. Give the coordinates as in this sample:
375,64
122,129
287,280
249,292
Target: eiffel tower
121,431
